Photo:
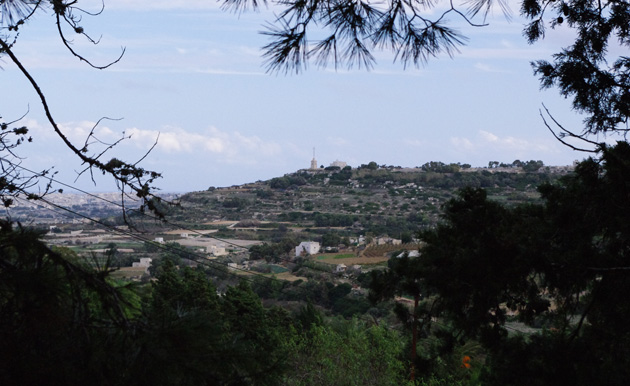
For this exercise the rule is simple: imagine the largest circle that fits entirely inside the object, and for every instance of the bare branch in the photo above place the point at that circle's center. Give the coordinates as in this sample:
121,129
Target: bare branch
66,43
91,134
92,13
125,174
148,151
569,133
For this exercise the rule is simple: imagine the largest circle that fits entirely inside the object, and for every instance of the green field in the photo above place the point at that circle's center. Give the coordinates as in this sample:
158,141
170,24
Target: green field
127,245
341,256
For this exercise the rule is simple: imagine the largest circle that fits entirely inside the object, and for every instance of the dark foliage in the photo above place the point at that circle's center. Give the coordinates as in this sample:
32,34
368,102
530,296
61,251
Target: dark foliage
485,260
599,86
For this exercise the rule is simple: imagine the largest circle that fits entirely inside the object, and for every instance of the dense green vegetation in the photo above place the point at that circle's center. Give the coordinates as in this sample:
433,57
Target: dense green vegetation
65,323
560,264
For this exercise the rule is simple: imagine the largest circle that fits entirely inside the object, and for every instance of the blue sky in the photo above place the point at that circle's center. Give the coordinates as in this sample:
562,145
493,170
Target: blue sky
194,75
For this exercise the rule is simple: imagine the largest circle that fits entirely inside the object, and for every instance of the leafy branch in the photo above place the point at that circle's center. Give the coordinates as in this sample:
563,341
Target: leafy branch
356,28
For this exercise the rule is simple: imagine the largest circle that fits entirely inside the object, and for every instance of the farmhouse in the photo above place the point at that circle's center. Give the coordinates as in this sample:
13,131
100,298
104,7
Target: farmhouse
387,241
216,250
145,263
307,247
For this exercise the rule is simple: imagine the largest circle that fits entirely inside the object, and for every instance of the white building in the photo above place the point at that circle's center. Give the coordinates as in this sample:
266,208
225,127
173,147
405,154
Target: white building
307,247
340,164
387,241
409,254
216,251
145,263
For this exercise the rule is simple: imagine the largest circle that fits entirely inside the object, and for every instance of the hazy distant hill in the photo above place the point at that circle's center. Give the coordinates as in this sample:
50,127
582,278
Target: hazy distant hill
381,200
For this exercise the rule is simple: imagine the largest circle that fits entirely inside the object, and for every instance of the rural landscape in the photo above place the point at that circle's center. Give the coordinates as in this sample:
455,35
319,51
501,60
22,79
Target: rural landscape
361,220
514,273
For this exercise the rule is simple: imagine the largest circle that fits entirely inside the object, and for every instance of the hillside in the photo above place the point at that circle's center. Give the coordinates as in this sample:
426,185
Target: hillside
381,201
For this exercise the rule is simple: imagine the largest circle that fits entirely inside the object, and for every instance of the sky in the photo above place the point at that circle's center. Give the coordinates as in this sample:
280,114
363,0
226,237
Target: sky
193,78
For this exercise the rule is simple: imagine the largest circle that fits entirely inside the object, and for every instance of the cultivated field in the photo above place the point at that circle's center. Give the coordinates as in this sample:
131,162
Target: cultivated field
349,259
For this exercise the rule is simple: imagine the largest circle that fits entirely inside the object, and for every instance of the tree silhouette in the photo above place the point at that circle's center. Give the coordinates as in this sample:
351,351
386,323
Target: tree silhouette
562,264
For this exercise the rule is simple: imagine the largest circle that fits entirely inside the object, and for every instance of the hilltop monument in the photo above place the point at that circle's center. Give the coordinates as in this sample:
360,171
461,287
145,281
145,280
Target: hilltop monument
313,161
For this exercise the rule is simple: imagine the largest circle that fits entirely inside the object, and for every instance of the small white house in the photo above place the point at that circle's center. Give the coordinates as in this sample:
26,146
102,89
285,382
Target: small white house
387,241
159,240
216,251
307,247
414,253
339,164
340,268
144,262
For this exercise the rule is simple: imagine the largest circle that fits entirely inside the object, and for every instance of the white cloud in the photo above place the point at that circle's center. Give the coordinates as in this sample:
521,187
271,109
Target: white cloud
33,126
462,143
487,136
229,147
510,143
76,132
224,146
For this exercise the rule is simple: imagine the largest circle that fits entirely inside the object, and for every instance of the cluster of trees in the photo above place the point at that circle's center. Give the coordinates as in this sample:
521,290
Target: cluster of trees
274,252
378,225
333,239
390,225
318,289
369,166
527,166
569,251
293,216
342,176
441,175
483,179
287,181
347,353
334,220
236,203
561,264
65,323
441,167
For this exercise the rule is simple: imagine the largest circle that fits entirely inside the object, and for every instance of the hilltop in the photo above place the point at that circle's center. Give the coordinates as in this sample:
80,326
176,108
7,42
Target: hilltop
379,200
